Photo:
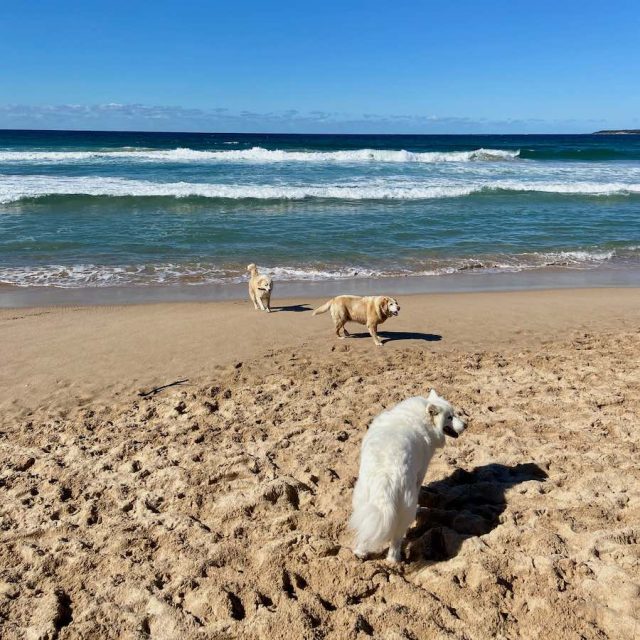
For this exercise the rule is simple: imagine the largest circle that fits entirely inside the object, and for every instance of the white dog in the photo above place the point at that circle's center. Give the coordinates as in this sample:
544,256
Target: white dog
260,288
393,461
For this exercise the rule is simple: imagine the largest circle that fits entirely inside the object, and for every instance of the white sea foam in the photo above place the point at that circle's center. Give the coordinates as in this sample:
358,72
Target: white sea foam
576,188
16,188
92,275
568,258
257,155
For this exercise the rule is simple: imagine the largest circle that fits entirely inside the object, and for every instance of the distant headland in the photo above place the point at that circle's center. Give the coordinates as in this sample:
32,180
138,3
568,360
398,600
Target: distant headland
617,132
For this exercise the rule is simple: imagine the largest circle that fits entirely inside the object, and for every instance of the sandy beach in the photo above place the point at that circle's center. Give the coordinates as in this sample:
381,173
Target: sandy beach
216,507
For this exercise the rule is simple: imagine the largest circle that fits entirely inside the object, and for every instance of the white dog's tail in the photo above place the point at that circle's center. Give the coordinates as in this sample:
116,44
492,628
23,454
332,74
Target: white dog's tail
252,269
373,525
323,309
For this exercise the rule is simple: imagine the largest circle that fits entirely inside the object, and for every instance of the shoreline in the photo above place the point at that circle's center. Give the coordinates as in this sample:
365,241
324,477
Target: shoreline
14,297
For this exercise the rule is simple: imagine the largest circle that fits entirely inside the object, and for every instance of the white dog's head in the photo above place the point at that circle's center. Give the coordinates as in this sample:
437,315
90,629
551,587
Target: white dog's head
390,306
443,416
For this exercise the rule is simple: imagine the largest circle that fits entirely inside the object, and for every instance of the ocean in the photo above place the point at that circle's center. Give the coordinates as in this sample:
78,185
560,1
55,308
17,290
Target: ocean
100,210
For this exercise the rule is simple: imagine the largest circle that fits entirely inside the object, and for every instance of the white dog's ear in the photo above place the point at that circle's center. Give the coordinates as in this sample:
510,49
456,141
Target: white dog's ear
433,410
433,396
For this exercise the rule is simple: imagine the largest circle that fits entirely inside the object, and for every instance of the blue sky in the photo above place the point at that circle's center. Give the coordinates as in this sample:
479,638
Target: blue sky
423,66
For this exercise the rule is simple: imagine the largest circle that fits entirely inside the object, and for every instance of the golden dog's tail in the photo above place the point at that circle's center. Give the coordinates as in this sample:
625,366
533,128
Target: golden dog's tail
323,309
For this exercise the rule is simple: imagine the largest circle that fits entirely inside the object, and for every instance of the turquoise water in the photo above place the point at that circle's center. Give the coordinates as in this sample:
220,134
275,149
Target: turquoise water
82,209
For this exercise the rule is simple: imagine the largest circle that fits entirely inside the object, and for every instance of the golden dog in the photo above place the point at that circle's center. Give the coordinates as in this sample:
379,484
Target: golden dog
370,311
260,288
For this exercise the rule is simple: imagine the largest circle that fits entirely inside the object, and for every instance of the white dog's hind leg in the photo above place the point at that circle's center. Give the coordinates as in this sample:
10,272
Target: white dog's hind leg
395,551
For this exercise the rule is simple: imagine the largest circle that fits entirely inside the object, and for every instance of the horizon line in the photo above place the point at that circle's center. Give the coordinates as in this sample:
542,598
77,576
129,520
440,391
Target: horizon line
302,133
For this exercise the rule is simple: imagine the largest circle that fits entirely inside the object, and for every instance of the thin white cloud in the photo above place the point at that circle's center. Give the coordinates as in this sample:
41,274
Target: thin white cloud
118,116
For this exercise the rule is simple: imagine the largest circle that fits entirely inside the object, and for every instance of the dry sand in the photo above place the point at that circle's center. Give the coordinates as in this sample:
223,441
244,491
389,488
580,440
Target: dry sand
216,508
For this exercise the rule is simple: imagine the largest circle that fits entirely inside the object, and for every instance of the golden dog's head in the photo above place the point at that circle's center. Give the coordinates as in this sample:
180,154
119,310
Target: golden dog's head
390,306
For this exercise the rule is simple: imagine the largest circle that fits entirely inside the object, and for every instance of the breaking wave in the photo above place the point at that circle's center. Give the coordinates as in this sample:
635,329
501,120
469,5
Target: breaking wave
257,155
16,188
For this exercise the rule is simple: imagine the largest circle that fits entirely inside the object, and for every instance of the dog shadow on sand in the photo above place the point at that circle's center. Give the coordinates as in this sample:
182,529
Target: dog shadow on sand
296,308
391,336
464,505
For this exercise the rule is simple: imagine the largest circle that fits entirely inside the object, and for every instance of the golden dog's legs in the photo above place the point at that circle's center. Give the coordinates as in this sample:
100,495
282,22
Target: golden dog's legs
339,326
372,331
346,333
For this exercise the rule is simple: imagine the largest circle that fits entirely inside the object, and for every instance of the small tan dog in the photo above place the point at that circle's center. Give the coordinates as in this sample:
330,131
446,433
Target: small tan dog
370,311
260,288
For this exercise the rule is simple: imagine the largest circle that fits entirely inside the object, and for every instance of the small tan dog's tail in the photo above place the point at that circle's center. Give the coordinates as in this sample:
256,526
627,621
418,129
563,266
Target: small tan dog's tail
323,309
252,269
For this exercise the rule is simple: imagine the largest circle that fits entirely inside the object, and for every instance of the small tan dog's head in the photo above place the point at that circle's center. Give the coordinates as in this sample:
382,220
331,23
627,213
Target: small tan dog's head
390,307
264,283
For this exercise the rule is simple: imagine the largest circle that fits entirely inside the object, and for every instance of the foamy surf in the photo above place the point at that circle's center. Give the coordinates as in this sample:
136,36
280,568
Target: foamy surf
93,275
257,155
16,188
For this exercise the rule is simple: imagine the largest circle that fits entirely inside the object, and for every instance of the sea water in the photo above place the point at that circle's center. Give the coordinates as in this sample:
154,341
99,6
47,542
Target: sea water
99,209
